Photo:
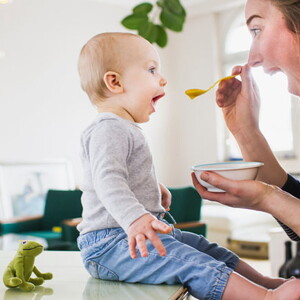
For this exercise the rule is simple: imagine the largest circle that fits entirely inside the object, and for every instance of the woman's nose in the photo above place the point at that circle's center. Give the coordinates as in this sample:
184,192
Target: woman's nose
254,58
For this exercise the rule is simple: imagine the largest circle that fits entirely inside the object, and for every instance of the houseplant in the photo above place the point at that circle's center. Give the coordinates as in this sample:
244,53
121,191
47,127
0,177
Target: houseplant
152,21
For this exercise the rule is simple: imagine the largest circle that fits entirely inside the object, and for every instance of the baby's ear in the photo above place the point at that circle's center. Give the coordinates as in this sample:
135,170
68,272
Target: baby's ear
113,82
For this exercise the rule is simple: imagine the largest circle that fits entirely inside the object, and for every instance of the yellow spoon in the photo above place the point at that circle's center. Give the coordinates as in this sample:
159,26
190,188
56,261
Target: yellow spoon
193,93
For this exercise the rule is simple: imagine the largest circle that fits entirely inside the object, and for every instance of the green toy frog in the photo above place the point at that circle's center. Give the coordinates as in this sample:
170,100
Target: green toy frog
19,270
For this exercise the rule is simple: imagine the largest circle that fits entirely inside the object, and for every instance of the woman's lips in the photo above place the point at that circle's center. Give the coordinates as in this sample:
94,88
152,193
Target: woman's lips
271,71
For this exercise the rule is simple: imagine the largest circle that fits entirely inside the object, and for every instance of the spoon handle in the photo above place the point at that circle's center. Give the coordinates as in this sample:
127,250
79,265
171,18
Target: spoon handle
224,78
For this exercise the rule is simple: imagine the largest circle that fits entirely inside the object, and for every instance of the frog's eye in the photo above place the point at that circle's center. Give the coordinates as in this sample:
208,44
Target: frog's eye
24,242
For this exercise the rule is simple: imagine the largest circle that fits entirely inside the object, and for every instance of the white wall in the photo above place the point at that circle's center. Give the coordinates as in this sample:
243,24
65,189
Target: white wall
189,136
43,110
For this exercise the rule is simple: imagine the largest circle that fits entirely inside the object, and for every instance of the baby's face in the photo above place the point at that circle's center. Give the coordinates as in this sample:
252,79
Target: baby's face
143,83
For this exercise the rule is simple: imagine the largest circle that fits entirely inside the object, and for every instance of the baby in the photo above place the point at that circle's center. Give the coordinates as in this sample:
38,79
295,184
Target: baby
123,235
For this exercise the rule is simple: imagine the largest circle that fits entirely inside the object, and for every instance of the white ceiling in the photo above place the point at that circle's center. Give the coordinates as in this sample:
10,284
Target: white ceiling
131,3
193,6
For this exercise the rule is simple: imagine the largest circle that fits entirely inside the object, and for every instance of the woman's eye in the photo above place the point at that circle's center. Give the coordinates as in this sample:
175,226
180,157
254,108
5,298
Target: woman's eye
254,31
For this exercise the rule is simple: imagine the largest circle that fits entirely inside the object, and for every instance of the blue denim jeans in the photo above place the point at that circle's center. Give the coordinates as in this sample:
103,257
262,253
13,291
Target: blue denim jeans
191,260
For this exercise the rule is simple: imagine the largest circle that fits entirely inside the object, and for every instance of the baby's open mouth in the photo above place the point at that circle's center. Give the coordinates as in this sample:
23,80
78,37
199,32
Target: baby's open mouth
156,98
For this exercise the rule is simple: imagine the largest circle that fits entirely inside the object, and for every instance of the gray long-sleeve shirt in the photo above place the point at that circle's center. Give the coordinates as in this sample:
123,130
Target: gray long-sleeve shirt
119,183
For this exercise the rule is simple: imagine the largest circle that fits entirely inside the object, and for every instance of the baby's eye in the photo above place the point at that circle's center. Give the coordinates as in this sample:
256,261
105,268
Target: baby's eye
152,70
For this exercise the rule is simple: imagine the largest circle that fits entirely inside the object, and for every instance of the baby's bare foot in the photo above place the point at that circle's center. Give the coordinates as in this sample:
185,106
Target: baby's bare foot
288,290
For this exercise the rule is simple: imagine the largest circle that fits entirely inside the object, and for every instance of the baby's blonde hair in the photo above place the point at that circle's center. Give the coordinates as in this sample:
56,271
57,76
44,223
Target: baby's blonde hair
102,53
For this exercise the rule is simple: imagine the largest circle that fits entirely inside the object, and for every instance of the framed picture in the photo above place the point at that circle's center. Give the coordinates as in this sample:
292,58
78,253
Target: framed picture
23,186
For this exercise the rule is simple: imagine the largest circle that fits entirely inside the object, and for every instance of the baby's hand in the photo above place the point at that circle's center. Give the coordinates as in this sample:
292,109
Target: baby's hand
166,197
145,228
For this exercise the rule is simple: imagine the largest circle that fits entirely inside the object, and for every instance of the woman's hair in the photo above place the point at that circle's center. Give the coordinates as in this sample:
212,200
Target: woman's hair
291,11
101,54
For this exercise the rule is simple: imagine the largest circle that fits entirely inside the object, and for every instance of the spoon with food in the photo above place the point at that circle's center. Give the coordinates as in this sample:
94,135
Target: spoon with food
193,93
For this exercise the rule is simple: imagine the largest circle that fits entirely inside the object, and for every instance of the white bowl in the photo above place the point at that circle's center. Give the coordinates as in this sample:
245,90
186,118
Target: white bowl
237,170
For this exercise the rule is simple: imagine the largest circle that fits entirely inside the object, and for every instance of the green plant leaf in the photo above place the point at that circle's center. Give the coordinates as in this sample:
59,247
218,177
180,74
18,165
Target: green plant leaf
172,16
160,3
142,9
172,21
149,31
134,21
174,7
161,36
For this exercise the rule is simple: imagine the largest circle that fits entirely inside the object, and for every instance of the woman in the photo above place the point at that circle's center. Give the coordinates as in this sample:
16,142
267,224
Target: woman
275,28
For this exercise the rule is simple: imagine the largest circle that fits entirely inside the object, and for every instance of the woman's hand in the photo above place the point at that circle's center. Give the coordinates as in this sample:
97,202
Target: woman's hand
239,101
237,193
145,228
254,195
166,197
240,104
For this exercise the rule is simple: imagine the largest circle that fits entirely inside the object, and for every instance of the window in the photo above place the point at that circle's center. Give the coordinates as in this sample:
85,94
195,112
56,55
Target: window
276,103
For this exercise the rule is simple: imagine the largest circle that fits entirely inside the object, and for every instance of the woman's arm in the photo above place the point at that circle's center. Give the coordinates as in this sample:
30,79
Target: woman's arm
254,147
240,103
287,213
291,186
254,195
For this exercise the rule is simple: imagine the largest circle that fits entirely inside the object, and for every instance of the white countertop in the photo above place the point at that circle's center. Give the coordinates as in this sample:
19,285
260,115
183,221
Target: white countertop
72,281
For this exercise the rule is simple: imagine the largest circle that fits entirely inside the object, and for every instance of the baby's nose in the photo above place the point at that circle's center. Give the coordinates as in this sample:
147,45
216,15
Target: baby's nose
163,81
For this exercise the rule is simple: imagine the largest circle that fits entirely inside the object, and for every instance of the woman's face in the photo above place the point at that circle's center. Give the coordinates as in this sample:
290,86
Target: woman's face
274,46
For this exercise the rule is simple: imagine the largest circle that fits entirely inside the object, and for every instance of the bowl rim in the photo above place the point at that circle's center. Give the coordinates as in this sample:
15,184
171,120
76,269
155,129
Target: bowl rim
244,165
